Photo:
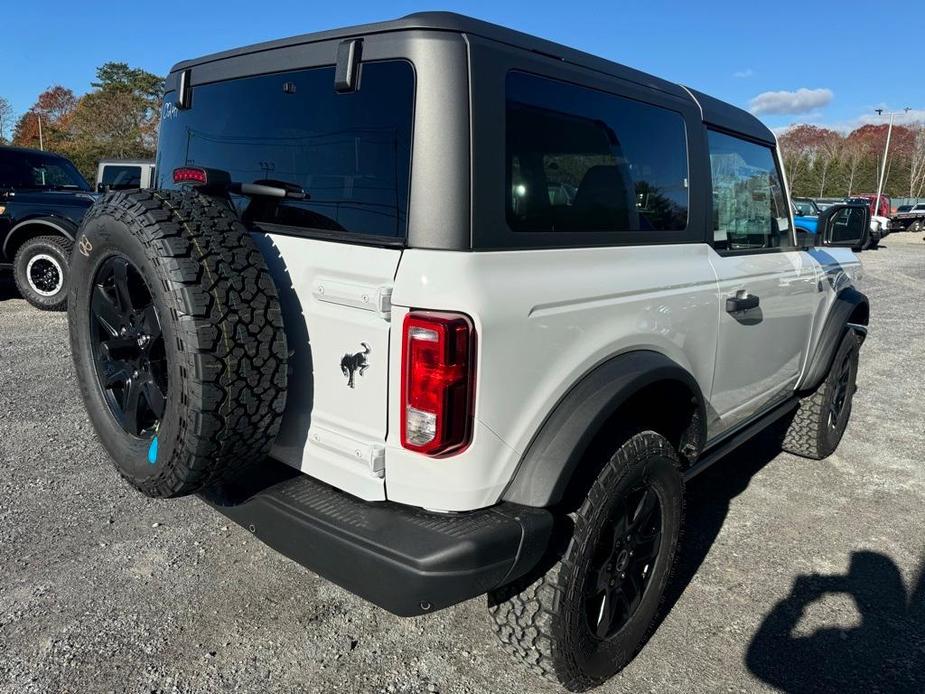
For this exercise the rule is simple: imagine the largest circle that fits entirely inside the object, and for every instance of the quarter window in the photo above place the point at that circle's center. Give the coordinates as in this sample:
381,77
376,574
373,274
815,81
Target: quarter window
583,160
749,211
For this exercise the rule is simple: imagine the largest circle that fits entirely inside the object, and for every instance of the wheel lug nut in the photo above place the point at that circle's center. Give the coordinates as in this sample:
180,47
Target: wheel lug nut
613,582
622,576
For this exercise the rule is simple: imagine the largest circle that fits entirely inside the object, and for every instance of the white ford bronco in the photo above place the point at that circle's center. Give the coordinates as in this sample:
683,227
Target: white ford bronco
438,310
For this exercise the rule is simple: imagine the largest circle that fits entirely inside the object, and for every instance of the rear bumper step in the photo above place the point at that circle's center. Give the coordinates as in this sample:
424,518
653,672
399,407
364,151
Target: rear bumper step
404,559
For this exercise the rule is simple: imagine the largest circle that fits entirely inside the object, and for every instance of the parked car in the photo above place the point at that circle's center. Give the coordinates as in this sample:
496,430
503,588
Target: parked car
43,198
805,218
880,223
124,174
910,217
467,380
806,207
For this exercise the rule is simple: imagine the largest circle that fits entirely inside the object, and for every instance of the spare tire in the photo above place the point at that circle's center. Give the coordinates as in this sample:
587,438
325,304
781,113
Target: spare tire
177,338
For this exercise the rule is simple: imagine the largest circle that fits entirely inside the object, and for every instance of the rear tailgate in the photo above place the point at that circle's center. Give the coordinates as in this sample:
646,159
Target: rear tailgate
333,242
336,306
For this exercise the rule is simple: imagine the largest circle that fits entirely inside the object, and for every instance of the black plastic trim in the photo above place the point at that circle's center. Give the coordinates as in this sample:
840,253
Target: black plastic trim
731,440
404,559
837,322
555,453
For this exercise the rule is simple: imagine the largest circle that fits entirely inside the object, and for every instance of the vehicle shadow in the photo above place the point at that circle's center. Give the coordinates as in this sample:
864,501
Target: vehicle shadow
709,496
7,287
885,652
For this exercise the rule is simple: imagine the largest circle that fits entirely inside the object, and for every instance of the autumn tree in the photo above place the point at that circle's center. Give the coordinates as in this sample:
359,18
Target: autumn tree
917,162
6,118
54,107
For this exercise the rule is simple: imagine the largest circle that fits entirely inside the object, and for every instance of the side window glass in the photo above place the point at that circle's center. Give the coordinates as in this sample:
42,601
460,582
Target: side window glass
749,210
583,160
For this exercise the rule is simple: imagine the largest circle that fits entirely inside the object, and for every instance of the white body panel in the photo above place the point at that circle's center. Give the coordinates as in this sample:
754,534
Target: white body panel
838,268
761,353
543,319
335,299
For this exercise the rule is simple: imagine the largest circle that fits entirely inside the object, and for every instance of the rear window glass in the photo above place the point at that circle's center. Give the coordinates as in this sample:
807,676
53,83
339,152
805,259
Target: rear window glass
583,160
121,177
349,152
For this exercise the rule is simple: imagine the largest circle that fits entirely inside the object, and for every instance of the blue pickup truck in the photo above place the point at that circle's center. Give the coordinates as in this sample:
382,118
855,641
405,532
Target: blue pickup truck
805,216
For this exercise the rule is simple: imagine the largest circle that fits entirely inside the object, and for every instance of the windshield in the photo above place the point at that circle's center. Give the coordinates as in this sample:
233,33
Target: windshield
38,171
806,207
349,152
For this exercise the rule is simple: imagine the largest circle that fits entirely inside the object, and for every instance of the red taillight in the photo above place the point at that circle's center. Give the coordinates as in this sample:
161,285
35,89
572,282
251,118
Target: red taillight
436,382
188,174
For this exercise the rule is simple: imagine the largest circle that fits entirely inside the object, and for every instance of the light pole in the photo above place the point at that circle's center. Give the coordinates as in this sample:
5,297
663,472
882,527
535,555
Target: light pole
886,150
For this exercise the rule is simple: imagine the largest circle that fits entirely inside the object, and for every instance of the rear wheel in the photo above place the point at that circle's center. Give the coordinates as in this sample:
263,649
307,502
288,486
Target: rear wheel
588,616
41,269
177,339
915,226
822,416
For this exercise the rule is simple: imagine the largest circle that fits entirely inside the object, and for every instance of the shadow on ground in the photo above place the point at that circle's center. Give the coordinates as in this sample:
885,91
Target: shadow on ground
885,652
7,288
709,496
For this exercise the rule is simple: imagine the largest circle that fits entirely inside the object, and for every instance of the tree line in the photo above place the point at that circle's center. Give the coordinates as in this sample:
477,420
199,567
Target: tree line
826,163
117,118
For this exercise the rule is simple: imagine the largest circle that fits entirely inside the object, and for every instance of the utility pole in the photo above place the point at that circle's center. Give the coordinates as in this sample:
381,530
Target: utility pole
886,151
41,141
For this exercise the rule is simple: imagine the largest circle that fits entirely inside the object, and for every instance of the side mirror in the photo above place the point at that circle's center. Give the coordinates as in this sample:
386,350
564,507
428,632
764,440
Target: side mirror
101,187
844,225
798,212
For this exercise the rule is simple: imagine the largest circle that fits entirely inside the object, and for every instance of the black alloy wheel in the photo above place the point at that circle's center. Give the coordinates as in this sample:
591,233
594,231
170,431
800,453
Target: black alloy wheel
842,389
625,556
128,347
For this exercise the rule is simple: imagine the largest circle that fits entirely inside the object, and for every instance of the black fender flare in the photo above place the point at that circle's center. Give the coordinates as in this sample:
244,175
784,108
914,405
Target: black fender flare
556,451
58,224
848,302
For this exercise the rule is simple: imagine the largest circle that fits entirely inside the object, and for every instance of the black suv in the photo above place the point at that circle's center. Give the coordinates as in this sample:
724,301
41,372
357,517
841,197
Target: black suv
43,197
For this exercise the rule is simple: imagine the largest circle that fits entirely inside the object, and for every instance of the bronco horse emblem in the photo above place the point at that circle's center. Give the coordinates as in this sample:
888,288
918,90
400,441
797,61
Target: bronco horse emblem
353,364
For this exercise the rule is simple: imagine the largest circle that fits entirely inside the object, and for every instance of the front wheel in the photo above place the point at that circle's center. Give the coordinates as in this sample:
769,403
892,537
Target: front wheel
822,416
41,269
591,613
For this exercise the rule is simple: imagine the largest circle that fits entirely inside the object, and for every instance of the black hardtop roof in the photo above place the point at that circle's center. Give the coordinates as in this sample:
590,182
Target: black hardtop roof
31,150
714,111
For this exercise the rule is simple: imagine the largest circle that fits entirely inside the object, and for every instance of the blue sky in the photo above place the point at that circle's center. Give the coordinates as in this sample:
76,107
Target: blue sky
758,55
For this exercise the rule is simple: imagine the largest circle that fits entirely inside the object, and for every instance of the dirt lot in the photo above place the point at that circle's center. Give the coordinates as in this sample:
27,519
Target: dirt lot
806,576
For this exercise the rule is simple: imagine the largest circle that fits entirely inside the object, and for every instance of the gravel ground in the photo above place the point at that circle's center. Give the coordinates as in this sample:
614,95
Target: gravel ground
795,574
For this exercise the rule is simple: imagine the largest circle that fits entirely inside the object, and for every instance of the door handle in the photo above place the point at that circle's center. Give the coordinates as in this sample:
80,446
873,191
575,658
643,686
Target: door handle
742,301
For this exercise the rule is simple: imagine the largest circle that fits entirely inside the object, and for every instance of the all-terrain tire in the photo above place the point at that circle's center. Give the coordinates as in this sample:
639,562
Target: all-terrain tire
53,254
543,621
817,428
222,329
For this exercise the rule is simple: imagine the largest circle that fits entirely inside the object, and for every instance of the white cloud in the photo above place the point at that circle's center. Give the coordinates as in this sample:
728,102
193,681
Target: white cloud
742,74
784,102
867,118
